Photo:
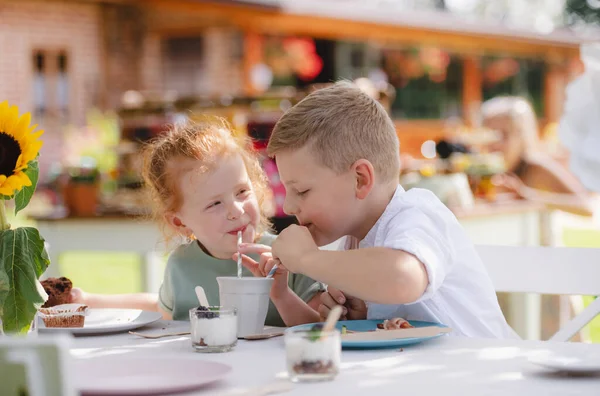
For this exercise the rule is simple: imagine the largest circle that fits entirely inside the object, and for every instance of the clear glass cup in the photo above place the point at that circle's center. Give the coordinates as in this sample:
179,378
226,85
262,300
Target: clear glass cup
312,355
213,329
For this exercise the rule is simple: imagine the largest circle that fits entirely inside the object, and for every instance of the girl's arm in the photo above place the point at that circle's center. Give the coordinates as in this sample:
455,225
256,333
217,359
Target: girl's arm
294,311
143,301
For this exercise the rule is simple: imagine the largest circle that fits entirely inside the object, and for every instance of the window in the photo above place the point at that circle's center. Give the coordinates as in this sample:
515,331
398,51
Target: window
298,61
514,76
185,65
39,84
50,83
428,82
62,85
356,59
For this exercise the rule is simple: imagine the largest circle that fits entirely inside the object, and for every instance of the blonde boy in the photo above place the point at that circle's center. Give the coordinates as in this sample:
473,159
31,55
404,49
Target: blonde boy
406,254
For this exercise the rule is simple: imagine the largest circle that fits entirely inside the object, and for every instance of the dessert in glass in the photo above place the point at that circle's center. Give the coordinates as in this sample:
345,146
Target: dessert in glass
213,329
313,354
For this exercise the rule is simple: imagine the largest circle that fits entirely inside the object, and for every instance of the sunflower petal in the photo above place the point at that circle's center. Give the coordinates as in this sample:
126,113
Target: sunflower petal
37,134
30,136
11,120
24,179
21,127
32,151
3,110
20,163
16,182
3,179
8,191
10,185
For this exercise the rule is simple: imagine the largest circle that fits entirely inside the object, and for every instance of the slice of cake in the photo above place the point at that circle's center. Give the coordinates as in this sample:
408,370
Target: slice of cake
58,290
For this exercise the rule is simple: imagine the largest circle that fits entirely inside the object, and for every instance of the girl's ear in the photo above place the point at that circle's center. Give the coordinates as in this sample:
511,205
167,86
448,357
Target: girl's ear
175,222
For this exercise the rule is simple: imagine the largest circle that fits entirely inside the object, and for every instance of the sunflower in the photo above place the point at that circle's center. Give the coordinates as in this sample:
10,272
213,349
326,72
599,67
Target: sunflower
18,147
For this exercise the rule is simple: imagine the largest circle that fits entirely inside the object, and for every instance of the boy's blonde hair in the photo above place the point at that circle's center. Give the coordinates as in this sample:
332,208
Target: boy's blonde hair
341,124
165,159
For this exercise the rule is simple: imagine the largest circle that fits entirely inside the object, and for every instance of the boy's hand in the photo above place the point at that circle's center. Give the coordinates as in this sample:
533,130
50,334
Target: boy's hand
291,245
264,266
354,308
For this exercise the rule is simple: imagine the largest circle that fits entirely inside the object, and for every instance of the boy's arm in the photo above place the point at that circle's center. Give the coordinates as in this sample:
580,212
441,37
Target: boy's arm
379,275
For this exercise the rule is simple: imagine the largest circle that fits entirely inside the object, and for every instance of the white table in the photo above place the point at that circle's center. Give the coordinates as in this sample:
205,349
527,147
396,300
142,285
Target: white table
446,366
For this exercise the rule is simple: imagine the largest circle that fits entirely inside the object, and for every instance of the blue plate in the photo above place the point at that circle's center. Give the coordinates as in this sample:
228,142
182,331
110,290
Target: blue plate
370,325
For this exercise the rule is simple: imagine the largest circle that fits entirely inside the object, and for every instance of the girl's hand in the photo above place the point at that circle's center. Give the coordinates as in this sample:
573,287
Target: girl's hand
264,266
77,296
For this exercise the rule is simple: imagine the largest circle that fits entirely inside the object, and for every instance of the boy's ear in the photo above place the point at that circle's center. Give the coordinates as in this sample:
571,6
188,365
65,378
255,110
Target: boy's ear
365,177
175,222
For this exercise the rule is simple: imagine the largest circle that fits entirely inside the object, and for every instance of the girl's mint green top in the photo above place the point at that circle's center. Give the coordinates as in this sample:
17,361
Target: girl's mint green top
189,266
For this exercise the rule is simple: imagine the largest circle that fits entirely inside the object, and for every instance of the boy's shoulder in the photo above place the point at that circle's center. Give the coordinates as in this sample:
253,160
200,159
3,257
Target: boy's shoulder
410,210
418,200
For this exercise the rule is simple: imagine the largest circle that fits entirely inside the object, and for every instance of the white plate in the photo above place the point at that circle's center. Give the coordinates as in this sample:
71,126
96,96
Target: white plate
104,320
147,375
571,364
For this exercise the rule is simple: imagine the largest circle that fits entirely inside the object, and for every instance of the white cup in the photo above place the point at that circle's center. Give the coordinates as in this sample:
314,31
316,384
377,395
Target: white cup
250,296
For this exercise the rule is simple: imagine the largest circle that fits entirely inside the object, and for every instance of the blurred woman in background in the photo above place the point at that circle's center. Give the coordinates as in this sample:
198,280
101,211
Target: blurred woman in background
531,173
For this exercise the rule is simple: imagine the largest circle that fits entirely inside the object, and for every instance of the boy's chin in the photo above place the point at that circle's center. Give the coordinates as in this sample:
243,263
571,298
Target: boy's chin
322,240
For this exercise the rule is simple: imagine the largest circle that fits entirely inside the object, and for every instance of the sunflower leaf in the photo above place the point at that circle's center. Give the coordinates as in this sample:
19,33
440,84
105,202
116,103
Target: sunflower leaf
23,260
23,196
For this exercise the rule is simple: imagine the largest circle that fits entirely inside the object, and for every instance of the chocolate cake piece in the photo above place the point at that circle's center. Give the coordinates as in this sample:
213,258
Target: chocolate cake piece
58,290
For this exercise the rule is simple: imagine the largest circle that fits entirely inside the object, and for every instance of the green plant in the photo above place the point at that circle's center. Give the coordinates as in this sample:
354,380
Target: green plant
23,258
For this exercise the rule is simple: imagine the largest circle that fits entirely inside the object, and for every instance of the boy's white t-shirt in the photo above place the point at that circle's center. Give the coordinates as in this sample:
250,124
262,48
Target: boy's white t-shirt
460,293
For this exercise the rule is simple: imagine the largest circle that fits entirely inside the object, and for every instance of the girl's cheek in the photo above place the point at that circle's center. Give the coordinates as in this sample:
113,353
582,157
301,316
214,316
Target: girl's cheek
254,211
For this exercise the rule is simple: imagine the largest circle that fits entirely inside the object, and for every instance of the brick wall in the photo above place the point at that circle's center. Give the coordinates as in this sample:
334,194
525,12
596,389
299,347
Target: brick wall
223,63
110,50
53,26
124,42
218,65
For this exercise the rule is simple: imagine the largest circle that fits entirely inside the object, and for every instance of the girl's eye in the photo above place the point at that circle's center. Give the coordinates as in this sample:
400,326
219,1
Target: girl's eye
242,191
301,193
212,205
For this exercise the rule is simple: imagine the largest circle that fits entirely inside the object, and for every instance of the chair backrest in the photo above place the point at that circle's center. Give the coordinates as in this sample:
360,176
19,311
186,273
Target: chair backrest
547,270
544,270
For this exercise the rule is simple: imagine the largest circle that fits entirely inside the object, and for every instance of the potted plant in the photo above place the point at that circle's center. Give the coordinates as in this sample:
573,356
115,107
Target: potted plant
23,258
82,189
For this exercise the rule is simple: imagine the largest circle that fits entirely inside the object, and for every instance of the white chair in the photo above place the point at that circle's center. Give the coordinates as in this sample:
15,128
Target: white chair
547,270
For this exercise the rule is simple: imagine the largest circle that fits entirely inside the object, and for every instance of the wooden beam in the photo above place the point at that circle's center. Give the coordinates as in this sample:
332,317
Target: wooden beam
412,134
268,21
472,91
555,82
253,55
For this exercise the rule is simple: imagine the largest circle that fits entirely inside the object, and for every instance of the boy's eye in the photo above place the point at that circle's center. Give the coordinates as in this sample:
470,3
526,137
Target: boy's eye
301,193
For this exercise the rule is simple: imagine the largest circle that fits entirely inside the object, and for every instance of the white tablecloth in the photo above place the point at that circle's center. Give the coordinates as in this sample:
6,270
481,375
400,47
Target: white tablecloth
445,366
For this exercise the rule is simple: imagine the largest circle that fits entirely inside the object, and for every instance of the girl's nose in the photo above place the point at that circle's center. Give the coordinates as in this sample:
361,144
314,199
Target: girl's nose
235,211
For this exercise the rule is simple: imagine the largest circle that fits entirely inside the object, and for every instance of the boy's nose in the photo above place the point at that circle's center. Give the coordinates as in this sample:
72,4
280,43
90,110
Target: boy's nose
289,208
